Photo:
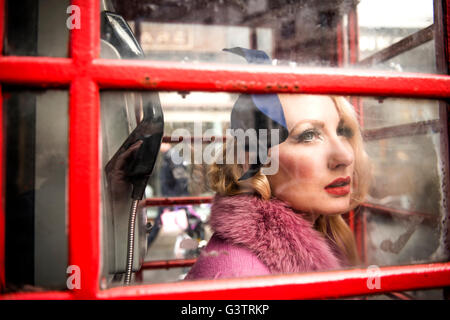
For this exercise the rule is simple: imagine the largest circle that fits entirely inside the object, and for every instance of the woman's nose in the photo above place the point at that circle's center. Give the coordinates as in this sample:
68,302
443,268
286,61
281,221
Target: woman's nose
341,153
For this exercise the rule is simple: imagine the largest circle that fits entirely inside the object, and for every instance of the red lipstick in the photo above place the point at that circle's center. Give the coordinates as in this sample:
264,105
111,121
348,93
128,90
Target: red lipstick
339,187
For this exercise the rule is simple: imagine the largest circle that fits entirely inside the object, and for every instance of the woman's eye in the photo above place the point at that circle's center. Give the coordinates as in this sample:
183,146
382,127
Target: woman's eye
308,135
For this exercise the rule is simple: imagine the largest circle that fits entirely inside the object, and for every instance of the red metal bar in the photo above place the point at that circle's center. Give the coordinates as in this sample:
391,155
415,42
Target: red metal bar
2,191
85,41
175,201
131,74
38,295
351,220
84,159
167,264
84,177
316,285
263,79
37,71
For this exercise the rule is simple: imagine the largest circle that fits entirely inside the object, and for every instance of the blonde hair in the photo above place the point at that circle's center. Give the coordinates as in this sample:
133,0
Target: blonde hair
223,179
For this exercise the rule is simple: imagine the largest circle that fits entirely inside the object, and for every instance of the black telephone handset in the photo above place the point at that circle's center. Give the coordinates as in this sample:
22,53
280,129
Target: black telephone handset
139,165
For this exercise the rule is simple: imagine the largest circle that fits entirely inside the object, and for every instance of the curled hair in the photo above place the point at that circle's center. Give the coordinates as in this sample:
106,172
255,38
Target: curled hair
223,179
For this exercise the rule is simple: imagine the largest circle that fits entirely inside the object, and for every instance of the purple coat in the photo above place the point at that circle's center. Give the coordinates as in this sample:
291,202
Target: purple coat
259,237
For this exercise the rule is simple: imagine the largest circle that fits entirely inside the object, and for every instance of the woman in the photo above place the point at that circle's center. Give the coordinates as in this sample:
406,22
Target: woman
289,221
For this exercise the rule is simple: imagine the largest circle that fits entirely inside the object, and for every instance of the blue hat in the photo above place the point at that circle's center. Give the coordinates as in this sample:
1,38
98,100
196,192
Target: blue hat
258,111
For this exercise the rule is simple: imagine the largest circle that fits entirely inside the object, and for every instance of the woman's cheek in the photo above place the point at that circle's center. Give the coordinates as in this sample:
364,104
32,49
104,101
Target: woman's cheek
297,164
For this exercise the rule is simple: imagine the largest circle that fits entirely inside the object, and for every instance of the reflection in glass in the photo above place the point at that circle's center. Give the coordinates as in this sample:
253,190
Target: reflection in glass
403,212
40,30
406,181
385,112
311,33
430,294
36,130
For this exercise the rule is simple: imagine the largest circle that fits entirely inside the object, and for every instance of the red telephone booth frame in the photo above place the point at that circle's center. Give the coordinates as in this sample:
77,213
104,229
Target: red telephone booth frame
85,73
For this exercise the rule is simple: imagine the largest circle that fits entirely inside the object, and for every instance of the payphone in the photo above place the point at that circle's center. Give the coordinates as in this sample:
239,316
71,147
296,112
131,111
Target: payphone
132,130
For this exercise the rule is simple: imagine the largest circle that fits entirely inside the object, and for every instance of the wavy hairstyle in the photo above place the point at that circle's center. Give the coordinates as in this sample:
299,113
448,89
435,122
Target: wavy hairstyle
223,179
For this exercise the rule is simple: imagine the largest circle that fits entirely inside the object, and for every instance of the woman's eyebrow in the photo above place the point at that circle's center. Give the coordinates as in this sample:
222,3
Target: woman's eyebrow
316,123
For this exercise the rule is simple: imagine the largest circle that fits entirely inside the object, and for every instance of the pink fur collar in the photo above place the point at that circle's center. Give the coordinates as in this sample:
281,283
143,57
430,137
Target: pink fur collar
283,240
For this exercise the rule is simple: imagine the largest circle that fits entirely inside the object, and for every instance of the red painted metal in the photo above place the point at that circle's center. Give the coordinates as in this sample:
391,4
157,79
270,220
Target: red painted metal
351,220
84,72
84,177
2,206
316,285
37,71
131,74
296,286
167,264
85,41
262,79
84,159
39,295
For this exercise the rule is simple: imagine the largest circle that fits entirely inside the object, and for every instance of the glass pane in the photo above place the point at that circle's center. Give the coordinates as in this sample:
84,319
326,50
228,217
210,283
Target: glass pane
35,131
404,180
432,294
40,30
311,33
402,210
382,23
386,112
428,294
414,60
